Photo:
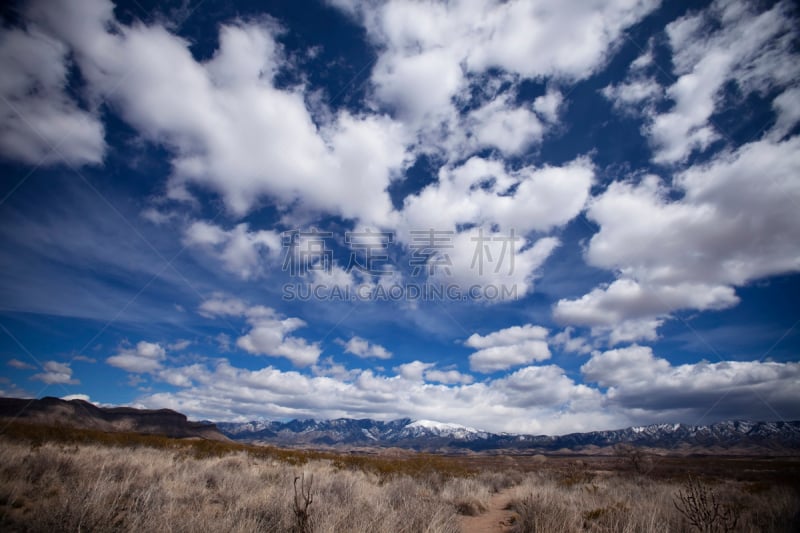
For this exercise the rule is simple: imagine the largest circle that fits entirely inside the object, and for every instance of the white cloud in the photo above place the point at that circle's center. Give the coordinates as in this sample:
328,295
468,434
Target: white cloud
787,109
728,41
514,346
533,40
84,397
269,335
223,342
20,365
482,195
647,385
241,251
229,129
269,332
142,358
413,371
431,54
39,122
179,345
503,125
549,105
629,95
448,377
153,215
536,400
570,343
329,368
726,229
576,37
489,267
420,86
635,387
221,305
536,386
363,348
482,192
56,373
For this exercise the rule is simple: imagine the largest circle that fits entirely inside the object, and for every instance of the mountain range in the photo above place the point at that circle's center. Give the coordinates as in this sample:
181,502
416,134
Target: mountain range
738,436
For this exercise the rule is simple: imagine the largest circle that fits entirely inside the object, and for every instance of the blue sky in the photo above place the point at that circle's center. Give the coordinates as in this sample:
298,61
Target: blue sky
233,209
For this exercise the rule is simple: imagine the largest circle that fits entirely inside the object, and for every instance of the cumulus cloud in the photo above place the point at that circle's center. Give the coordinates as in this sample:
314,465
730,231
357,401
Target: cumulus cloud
502,125
448,377
242,252
620,387
726,230
230,129
514,346
227,126
536,400
439,41
413,371
39,122
269,332
728,42
787,108
363,348
482,191
490,210
434,59
143,358
56,373
222,305
647,385
571,343
628,96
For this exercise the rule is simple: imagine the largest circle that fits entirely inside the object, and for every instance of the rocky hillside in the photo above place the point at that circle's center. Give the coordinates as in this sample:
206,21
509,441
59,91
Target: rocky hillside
84,415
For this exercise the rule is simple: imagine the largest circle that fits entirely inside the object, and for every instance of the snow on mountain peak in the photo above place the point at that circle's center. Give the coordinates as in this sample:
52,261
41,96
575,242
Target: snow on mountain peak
443,429
439,426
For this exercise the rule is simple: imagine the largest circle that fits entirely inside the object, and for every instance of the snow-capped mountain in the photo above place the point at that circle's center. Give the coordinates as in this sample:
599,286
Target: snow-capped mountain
426,428
732,436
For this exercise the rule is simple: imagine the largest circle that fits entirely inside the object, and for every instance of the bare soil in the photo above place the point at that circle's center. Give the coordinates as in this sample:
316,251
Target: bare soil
496,519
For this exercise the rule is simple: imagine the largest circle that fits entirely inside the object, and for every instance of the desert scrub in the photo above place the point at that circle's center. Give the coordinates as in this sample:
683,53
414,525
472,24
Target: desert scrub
619,503
87,487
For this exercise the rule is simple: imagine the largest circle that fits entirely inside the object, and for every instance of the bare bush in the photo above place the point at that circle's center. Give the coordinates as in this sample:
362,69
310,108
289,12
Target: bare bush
701,506
302,500
634,457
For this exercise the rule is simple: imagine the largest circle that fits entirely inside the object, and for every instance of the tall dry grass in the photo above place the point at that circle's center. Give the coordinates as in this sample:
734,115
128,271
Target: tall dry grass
97,488
559,501
175,487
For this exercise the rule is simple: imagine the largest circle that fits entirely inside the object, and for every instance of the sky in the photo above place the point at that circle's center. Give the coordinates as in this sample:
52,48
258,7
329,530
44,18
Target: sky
525,216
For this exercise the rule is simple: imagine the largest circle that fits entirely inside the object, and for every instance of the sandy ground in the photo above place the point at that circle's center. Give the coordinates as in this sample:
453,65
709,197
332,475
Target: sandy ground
496,519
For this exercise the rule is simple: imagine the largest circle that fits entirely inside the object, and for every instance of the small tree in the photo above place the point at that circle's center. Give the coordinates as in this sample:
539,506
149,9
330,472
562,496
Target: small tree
635,457
701,507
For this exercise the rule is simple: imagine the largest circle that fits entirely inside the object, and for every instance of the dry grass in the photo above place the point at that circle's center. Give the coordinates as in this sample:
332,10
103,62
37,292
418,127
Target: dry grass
556,501
57,479
98,488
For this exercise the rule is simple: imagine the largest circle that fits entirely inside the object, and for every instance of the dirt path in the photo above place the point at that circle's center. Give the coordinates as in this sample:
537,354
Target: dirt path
496,519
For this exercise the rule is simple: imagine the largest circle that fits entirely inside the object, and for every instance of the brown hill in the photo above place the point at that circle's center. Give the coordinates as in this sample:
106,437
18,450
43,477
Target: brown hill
80,414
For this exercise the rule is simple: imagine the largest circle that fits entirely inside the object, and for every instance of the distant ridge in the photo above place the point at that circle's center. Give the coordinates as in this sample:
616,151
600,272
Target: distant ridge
84,415
737,437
